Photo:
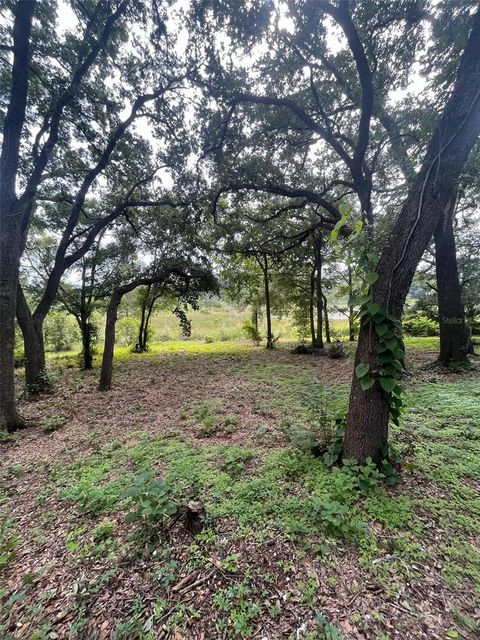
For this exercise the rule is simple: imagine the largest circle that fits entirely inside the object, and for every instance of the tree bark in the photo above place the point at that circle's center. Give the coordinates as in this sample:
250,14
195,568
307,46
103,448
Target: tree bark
268,312
142,330
87,352
109,345
430,196
328,337
451,313
351,327
11,237
311,307
317,254
36,378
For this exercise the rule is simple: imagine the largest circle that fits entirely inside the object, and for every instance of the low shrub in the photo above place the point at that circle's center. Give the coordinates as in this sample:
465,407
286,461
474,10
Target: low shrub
420,325
337,350
251,331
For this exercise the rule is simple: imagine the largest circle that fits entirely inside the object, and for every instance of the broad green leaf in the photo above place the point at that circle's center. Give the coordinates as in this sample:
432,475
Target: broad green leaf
362,369
388,384
371,277
356,301
381,329
366,382
373,308
336,229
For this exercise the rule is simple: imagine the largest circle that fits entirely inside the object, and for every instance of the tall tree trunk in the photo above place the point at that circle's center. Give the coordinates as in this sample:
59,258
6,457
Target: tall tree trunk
147,322
142,342
268,312
36,378
430,196
351,323
11,236
255,317
87,352
317,254
9,269
451,314
311,306
328,337
109,344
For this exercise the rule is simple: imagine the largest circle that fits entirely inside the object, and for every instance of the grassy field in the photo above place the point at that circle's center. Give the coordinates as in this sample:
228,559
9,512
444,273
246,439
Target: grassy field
288,548
217,325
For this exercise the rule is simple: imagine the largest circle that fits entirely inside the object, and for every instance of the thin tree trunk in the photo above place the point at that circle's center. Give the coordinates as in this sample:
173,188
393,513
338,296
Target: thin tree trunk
141,343
268,312
451,313
327,321
311,307
430,196
86,330
109,345
147,322
317,252
255,317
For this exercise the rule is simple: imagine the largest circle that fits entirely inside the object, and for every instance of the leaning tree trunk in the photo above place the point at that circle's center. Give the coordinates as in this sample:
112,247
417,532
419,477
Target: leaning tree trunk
454,337
430,196
142,330
147,323
109,345
36,378
317,248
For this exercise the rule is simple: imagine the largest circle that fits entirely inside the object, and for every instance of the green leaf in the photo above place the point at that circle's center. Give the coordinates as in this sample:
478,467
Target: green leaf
362,369
373,257
373,308
131,492
336,229
133,516
371,277
356,301
366,382
381,329
388,384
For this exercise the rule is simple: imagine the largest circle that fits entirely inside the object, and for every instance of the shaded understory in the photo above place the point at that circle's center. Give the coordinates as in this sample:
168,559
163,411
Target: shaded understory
290,548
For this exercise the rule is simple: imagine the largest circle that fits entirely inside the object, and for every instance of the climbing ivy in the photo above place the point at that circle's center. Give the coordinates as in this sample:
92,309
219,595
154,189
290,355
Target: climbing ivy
384,327
389,351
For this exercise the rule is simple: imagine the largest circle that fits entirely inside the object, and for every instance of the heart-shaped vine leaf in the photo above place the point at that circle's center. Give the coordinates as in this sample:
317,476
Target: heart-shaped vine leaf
366,382
362,369
388,384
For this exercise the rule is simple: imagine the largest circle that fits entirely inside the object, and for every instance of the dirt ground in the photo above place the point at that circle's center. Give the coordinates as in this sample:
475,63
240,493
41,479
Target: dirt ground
271,586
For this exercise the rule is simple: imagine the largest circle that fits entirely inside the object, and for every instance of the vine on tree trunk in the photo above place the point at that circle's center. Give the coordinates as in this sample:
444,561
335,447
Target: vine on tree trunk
385,330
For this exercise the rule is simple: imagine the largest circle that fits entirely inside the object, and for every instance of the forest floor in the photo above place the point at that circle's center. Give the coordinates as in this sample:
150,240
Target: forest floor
290,548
